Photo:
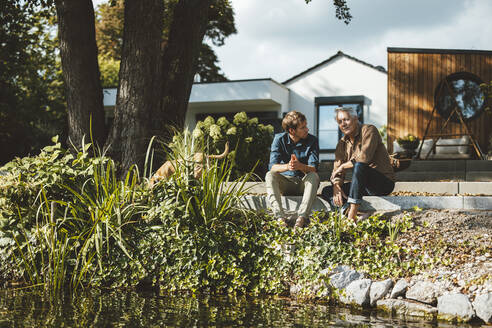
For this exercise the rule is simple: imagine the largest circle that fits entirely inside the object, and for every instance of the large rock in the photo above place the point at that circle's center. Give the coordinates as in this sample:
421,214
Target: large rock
455,306
379,289
483,307
357,292
423,291
399,289
343,276
407,308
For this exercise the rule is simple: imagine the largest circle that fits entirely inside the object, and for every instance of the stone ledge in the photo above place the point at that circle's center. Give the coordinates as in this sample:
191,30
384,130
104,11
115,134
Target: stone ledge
450,188
382,203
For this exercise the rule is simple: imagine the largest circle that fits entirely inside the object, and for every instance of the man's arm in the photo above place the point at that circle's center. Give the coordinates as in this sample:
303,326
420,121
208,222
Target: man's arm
338,173
370,141
313,158
276,155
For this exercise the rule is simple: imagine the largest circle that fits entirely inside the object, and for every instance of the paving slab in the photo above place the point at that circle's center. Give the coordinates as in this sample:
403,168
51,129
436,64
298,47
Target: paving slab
475,188
477,203
478,165
393,203
430,176
450,188
289,203
478,176
382,203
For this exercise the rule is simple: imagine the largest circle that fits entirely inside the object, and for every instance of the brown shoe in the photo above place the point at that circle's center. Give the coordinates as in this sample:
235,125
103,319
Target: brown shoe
301,222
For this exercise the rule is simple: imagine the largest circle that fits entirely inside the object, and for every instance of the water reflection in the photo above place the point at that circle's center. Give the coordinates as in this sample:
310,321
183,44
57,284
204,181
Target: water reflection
130,309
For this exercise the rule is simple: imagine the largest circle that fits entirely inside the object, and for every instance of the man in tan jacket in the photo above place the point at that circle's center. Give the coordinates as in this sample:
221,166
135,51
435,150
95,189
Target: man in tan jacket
361,149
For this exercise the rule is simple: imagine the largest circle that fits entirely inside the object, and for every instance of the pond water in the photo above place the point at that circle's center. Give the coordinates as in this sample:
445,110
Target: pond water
131,309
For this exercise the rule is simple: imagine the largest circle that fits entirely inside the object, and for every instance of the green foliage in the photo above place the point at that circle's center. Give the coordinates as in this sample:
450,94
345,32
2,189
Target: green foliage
26,177
365,246
250,141
66,220
110,69
31,89
408,142
109,37
199,237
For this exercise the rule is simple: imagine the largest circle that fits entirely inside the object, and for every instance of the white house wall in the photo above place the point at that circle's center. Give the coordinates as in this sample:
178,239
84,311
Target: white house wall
236,96
341,77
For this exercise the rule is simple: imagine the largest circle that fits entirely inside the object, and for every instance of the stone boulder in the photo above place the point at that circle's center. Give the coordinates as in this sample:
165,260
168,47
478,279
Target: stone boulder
423,291
400,288
455,306
379,290
407,308
343,276
483,307
357,292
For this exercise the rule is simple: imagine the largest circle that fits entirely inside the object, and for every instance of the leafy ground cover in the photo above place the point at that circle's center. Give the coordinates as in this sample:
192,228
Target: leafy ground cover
68,223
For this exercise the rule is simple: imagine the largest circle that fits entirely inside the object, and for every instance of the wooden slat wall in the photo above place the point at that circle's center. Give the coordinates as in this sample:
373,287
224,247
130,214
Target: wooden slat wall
412,81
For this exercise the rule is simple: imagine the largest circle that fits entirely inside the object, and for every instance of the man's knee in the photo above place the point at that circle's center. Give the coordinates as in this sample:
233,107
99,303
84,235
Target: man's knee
271,176
313,178
360,167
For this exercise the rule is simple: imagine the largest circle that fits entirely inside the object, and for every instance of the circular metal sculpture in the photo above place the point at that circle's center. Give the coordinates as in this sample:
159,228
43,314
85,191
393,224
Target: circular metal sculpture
463,90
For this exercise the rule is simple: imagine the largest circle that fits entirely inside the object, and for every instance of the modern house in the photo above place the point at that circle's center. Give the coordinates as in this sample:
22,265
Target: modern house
341,80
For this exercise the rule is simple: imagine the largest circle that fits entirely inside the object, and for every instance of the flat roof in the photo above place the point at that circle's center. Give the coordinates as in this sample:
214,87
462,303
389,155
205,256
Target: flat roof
244,80
439,51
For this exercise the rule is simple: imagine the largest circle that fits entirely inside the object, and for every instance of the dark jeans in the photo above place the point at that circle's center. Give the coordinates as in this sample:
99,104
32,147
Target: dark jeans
366,181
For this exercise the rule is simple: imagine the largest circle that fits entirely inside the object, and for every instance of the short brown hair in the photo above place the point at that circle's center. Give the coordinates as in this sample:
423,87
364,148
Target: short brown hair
292,119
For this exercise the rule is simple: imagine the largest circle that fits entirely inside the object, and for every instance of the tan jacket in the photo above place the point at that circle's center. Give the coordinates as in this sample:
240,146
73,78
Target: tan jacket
367,148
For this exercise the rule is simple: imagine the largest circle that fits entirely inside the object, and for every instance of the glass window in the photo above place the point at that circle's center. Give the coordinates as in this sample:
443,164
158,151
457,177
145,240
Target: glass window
463,90
328,131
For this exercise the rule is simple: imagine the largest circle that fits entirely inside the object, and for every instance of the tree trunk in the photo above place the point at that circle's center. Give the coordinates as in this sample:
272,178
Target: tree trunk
78,50
179,60
138,92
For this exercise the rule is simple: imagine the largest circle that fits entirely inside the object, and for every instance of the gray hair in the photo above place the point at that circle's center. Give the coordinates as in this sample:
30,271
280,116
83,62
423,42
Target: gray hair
349,110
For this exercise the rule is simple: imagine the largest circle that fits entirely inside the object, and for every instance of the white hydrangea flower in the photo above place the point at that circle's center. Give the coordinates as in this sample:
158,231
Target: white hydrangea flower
215,131
231,131
197,133
240,118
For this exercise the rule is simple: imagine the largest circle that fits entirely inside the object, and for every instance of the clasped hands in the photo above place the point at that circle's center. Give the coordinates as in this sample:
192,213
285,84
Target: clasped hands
294,164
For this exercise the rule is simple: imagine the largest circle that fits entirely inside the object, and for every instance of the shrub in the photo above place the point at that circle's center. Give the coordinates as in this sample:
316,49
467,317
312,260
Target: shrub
250,141
66,220
408,142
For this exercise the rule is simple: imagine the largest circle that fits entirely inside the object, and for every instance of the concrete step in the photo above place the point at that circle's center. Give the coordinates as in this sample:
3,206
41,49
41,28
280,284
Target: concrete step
448,188
383,203
434,170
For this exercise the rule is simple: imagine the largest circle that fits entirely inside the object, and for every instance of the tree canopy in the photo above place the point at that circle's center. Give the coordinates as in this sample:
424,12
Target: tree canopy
109,37
32,107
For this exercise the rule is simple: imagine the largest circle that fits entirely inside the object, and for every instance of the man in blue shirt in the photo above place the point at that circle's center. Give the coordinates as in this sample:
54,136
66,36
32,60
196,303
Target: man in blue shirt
294,159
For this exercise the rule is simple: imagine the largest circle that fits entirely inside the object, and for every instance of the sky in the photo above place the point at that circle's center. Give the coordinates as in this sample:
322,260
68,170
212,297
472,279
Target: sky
281,38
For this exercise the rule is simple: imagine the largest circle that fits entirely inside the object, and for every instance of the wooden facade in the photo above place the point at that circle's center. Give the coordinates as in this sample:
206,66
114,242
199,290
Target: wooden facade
414,74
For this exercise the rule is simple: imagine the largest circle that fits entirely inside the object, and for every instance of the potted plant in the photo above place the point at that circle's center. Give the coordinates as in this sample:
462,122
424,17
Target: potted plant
409,143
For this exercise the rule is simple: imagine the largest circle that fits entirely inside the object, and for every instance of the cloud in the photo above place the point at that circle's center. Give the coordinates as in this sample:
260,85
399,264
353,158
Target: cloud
280,38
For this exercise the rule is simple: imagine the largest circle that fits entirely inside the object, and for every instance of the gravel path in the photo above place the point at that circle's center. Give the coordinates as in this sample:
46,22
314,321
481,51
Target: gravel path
457,242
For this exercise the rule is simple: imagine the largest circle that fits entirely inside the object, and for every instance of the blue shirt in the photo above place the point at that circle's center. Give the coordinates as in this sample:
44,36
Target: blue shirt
306,151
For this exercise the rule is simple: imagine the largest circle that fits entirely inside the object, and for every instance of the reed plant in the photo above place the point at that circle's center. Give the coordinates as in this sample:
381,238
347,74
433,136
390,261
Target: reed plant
73,239
212,197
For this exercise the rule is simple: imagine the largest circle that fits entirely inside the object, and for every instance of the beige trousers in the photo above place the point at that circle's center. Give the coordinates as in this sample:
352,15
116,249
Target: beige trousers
278,185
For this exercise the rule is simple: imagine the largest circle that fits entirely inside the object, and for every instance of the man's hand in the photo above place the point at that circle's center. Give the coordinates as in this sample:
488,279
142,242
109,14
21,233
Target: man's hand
338,195
337,172
294,164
